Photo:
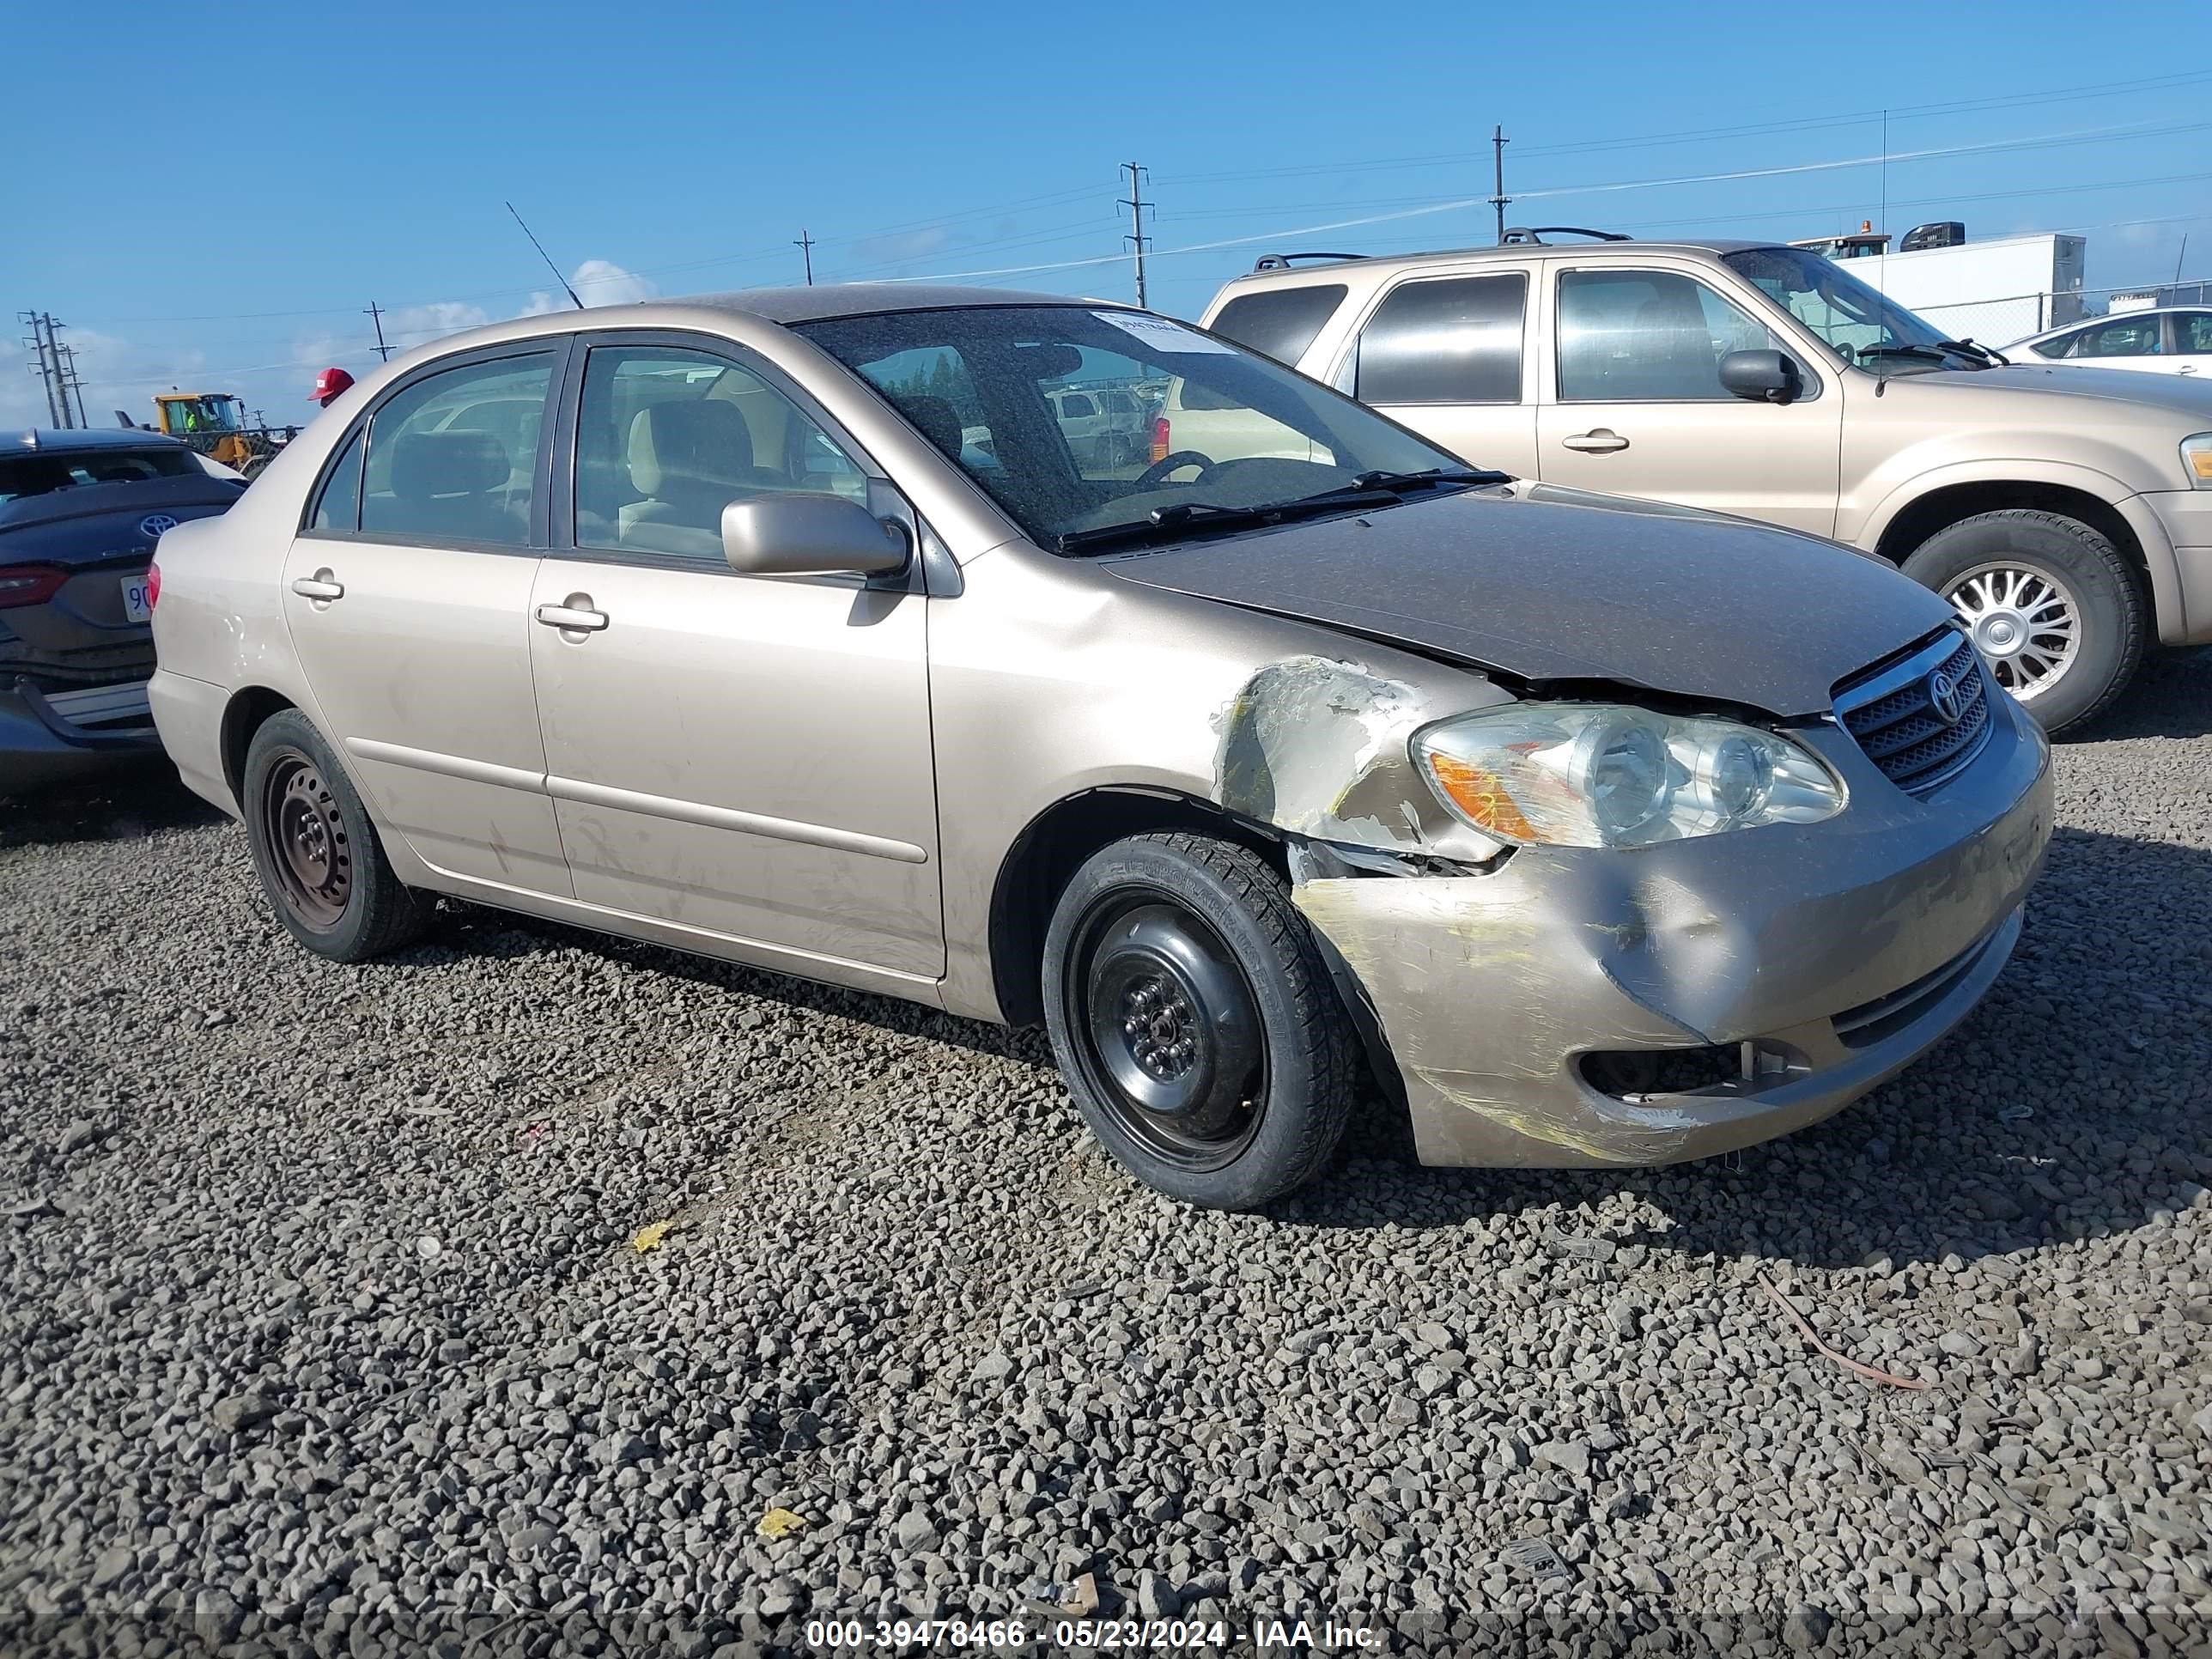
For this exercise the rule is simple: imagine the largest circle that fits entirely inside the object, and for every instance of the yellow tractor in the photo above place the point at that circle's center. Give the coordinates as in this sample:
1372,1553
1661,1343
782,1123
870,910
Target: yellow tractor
214,423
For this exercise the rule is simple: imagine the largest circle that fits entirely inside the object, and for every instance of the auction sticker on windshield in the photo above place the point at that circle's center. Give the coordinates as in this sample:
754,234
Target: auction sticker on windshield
1160,334
137,602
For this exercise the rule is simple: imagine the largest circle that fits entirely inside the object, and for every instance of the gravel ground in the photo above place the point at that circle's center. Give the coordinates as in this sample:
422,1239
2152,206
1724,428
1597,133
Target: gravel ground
323,1328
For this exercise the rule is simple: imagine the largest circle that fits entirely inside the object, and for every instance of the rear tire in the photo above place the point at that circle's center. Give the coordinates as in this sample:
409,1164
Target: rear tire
2053,605
315,850
1195,1021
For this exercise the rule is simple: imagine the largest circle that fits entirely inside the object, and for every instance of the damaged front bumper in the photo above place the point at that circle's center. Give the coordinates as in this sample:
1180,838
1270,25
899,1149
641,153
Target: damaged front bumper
1798,966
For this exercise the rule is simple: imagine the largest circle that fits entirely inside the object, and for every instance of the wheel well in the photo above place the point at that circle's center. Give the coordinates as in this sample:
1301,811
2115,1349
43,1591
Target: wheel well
1939,509
241,721
1053,847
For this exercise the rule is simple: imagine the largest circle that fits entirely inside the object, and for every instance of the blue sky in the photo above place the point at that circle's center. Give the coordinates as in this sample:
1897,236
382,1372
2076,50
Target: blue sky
209,201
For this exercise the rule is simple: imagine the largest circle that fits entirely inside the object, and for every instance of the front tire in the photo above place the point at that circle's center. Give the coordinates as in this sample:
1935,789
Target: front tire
1195,1022
2053,606
315,850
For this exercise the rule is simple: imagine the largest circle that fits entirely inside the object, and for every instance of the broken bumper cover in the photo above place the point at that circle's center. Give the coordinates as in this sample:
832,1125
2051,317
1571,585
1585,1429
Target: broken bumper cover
48,737
1823,957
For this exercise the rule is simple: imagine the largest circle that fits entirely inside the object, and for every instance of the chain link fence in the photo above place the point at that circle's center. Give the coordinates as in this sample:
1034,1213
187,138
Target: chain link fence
1999,322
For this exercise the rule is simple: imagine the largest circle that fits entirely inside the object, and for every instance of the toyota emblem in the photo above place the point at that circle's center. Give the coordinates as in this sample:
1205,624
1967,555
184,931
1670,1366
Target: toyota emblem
154,524
1945,697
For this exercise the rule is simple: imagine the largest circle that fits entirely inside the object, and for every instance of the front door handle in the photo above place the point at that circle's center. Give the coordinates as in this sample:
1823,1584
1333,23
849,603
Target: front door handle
573,616
322,588
1600,441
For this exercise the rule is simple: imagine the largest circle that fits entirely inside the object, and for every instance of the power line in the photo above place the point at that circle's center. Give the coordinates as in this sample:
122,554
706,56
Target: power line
383,351
1700,134
805,247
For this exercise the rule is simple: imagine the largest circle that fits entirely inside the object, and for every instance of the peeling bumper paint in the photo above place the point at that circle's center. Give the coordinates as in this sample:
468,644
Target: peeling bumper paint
1841,951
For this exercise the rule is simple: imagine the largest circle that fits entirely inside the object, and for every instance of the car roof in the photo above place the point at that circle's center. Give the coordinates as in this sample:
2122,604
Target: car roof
50,439
810,305
1622,248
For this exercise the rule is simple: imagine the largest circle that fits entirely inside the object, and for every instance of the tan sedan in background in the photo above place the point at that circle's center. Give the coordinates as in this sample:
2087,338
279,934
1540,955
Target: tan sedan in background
791,628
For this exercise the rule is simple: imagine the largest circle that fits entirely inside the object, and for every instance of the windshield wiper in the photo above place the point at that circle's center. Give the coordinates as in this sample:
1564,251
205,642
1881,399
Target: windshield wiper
1974,350
1940,351
1434,477
1167,524
1377,488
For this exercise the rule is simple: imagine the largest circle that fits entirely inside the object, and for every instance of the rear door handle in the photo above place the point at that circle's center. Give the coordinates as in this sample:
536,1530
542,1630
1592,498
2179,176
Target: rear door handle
573,617
1602,441
322,588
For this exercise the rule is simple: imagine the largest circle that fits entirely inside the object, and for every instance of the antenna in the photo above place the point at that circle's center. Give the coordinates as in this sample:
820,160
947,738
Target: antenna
548,258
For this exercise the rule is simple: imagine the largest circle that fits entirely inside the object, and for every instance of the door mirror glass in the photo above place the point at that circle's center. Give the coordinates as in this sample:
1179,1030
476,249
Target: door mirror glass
1760,377
809,535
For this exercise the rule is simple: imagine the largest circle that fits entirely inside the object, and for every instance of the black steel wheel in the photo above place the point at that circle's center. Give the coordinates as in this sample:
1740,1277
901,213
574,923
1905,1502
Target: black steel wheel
1168,1033
304,828
1195,1022
315,849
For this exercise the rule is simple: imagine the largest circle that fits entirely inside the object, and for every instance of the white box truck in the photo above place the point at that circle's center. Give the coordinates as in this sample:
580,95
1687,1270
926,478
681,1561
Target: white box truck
1994,290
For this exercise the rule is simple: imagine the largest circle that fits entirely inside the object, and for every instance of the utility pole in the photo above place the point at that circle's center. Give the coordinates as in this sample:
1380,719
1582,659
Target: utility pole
1498,198
45,368
65,367
1135,201
805,247
383,351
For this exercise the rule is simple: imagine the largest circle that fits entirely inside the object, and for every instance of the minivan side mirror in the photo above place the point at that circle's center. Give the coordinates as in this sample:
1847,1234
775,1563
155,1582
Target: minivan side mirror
1761,377
805,534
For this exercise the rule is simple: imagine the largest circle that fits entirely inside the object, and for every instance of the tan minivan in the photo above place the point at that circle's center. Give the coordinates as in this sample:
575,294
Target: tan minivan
2065,512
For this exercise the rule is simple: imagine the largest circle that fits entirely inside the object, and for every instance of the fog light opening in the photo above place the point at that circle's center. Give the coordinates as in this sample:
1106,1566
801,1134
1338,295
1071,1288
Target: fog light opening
1635,1075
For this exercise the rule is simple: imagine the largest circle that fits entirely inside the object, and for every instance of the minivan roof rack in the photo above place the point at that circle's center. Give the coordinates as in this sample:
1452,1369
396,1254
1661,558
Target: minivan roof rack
1533,235
1285,261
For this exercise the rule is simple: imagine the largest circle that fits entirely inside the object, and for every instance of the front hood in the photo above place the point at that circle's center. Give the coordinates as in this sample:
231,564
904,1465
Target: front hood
2175,394
95,524
1546,585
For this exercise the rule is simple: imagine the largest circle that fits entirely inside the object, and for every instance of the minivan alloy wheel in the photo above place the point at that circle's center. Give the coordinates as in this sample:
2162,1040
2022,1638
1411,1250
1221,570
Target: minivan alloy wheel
2026,623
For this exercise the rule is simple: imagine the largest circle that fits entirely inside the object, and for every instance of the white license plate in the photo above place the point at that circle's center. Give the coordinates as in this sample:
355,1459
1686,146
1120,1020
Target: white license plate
138,606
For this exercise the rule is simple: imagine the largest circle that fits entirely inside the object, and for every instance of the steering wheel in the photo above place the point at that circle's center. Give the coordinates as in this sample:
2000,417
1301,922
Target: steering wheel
1158,472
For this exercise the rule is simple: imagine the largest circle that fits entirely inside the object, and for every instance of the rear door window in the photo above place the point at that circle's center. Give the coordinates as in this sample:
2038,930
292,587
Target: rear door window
1445,340
2192,332
1282,322
453,456
337,509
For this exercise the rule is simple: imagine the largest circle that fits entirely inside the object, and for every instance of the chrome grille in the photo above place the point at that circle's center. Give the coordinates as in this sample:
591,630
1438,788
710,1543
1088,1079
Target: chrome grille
1891,713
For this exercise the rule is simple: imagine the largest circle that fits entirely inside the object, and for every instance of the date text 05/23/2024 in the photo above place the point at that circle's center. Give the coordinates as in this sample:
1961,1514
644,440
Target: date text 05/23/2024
1268,1635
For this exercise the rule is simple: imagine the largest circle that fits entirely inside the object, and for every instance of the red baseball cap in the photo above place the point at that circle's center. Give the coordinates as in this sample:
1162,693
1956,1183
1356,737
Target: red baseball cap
330,383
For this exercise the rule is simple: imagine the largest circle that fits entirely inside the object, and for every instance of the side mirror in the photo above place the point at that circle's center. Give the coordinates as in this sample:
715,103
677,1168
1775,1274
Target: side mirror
809,535
1761,377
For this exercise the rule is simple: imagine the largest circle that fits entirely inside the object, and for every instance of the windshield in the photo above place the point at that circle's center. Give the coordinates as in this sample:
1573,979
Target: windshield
1076,417
1835,304
43,474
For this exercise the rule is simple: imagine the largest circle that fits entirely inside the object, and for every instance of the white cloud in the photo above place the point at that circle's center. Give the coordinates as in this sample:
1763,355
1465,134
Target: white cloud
597,283
410,325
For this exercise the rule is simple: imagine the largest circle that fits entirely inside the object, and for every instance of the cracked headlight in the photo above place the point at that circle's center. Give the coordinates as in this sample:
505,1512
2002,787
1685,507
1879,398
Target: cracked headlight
1583,775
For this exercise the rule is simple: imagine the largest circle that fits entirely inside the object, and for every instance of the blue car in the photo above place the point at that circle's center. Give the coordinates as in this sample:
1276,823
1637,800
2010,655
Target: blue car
80,514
